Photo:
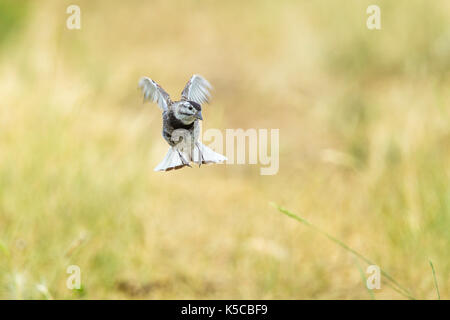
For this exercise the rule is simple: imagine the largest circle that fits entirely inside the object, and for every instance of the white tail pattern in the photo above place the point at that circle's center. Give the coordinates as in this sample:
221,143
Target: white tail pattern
201,155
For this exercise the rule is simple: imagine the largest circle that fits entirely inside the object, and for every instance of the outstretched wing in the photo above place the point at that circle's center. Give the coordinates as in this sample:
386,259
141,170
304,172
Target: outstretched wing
153,92
197,90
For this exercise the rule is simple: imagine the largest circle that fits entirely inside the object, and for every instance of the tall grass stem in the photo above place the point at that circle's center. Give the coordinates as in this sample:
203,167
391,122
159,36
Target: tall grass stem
435,280
393,283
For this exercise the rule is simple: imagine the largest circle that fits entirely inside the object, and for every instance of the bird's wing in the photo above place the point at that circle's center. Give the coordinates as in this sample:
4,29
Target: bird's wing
197,90
153,92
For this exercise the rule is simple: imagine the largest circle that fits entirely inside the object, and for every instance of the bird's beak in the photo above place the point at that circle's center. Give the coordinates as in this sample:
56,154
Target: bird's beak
198,115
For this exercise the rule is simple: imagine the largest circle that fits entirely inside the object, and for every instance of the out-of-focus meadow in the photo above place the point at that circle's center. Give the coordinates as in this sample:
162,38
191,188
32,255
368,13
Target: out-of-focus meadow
364,149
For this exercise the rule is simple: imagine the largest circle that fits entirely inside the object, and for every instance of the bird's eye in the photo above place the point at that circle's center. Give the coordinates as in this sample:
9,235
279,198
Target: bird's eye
190,108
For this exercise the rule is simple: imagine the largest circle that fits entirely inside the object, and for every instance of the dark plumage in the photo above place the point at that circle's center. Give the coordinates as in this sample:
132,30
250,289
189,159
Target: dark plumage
195,105
171,123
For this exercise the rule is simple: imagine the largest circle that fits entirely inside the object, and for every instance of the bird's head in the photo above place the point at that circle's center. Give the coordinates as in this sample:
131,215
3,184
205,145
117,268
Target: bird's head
188,111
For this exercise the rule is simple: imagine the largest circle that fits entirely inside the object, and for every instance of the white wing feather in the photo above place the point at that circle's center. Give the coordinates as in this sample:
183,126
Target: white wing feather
197,90
153,92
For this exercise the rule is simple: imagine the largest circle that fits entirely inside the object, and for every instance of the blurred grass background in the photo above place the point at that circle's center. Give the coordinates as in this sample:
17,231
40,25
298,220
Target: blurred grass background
364,149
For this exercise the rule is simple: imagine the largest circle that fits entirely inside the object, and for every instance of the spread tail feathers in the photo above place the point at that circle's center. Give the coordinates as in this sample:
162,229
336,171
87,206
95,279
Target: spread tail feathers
176,159
204,155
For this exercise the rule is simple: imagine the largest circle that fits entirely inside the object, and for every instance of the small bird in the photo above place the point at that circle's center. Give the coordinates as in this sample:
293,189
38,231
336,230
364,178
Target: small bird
181,127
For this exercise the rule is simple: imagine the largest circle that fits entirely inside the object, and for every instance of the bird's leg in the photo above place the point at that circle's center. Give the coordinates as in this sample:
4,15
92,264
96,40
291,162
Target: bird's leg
200,154
177,140
192,149
183,160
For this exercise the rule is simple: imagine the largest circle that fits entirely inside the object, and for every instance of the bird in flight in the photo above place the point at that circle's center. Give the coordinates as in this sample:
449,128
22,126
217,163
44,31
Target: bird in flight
181,128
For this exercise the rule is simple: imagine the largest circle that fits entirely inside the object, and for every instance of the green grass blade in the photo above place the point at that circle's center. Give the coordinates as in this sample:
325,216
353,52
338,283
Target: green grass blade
435,280
364,280
396,286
